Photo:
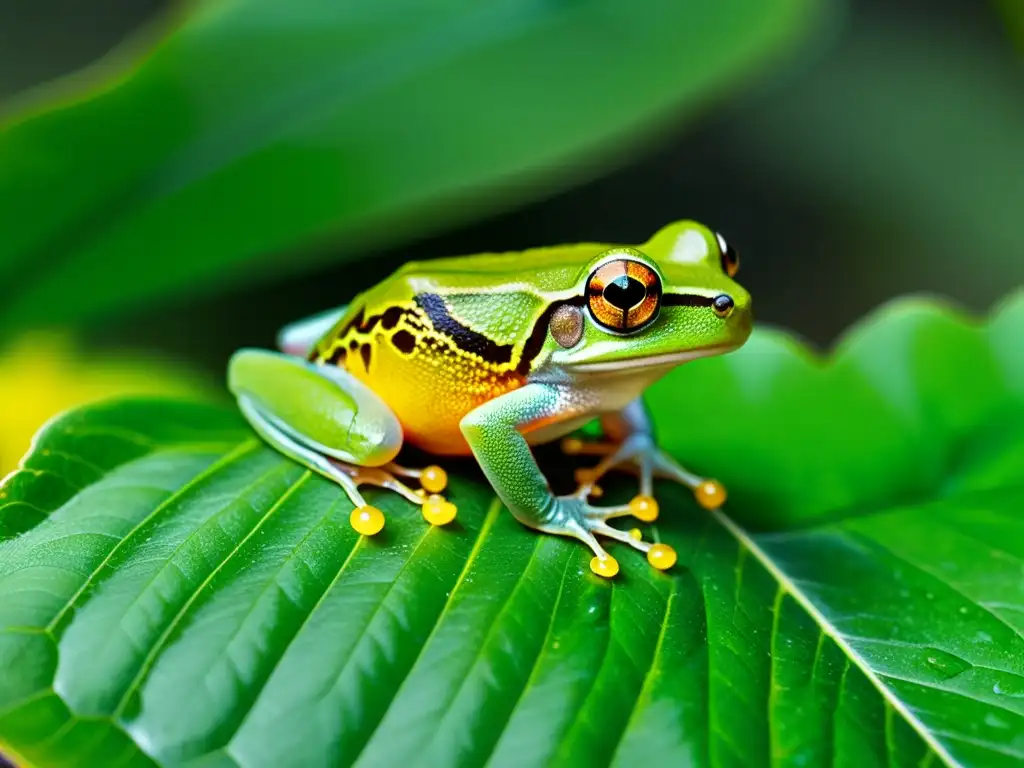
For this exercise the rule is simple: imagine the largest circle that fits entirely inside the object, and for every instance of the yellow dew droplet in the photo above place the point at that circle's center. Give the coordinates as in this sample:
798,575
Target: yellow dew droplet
710,494
437,510
367,520
606,566
572,445
434,479
636,534
661,556
644,508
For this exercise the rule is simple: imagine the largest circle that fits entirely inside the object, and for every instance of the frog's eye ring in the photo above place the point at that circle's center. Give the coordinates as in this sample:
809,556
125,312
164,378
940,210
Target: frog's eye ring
730,259
624,295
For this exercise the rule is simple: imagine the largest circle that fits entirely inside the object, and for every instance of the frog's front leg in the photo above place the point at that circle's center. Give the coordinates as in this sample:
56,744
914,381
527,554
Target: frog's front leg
632,445
495,433
333,424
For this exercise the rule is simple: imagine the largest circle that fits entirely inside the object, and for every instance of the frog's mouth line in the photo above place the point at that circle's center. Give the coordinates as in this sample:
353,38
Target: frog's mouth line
655,361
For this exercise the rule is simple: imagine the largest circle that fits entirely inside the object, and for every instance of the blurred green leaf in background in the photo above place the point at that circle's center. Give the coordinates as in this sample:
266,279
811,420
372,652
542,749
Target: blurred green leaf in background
44,373
261,128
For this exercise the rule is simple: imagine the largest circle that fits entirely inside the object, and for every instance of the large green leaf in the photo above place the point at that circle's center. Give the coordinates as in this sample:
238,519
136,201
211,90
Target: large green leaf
173,592
260,126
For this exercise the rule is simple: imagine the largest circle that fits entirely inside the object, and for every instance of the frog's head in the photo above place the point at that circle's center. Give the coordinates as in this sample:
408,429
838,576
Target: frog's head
668,301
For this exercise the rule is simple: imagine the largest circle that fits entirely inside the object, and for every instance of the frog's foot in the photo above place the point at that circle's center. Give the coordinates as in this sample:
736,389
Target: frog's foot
436,509
639,454
574,516
432,479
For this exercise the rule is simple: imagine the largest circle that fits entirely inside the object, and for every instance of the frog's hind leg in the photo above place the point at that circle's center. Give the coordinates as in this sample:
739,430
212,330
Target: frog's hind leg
366,519
330,422
634,449
432,478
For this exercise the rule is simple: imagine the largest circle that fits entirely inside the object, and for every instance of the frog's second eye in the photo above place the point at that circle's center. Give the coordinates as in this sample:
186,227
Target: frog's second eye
624,295
730,259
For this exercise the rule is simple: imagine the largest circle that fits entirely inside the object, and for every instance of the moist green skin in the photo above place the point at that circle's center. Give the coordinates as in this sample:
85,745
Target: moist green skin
491,317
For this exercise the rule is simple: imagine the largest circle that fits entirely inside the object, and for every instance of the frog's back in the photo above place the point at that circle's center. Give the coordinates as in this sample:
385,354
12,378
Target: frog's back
546,269
441,337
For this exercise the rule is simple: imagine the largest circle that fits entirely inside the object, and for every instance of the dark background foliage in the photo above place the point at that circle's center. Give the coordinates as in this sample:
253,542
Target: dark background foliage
883,158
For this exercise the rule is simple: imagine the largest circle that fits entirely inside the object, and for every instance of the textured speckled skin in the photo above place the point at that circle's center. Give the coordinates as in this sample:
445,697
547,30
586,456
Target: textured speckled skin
505,298
459,353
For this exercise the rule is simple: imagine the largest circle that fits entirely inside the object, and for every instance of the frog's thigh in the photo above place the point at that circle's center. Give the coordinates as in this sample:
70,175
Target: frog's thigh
298,338
302,408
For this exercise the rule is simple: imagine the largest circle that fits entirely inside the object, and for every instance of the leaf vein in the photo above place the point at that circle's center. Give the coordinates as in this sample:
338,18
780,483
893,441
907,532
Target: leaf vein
485,529
284,650
226,460
880,547
808,605
542,652
183,611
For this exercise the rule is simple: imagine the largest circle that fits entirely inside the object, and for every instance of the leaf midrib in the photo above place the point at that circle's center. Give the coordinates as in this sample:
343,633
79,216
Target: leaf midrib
746,541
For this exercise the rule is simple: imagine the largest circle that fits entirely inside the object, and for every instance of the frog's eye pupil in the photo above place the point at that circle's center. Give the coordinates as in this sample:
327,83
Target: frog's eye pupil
625,292
624,295
730,258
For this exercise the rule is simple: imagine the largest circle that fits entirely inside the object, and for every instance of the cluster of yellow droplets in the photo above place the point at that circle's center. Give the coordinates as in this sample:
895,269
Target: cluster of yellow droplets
660,556
437,510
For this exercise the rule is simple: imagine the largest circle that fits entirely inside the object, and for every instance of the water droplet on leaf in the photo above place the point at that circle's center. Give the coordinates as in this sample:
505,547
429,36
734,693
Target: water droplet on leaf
945,665
994,721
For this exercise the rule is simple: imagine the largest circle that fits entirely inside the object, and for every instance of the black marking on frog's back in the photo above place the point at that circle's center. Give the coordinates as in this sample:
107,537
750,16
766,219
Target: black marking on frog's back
338,356
465,338
403,341
391,317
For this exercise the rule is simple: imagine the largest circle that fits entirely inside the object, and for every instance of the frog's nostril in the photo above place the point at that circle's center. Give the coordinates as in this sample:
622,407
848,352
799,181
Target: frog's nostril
625,292
723,305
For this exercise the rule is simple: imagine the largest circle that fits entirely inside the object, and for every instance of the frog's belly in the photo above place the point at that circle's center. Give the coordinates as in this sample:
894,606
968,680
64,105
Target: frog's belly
431,389
432,385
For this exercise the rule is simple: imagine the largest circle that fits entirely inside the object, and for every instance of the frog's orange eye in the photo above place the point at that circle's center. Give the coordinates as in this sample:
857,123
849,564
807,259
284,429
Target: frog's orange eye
730,259
624,295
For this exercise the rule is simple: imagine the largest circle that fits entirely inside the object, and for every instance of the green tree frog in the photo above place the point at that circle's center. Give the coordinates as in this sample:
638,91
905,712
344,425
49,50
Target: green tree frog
490,354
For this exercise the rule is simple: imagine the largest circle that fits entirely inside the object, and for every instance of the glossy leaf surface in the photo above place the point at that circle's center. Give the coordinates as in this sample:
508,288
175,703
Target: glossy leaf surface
174,593
259,127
